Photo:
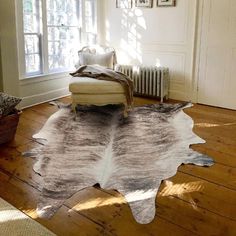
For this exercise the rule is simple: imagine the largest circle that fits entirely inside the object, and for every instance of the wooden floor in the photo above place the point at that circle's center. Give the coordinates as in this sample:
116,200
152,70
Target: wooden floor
196,201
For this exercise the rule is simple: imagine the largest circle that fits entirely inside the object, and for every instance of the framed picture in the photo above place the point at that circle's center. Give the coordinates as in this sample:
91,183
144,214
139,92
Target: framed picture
123,3
166,3
143,3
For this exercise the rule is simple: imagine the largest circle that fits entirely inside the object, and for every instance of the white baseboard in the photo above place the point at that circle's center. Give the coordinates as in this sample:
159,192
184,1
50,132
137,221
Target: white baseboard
43,97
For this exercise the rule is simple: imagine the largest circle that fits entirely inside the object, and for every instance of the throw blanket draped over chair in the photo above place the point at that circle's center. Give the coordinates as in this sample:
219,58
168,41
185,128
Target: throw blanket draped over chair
101,73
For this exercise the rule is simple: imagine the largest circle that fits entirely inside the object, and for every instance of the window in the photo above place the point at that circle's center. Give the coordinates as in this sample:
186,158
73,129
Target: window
54,30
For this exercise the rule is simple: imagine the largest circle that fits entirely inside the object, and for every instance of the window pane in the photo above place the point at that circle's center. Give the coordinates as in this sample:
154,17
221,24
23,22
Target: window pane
31,14
91,38
32,63
31,44
62,12
89,16
63,33
63,45
89,24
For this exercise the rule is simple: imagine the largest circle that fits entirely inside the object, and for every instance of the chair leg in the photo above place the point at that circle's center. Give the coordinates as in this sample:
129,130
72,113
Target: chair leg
126,111
73,106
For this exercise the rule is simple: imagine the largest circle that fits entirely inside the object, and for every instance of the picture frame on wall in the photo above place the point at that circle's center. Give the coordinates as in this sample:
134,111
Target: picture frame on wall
144,3
166,3
124,4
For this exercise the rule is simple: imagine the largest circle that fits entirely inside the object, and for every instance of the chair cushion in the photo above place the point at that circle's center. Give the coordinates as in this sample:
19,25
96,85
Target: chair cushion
105,59
98,99
94,86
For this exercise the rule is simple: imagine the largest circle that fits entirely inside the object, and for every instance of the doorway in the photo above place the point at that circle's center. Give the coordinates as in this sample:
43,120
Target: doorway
217,67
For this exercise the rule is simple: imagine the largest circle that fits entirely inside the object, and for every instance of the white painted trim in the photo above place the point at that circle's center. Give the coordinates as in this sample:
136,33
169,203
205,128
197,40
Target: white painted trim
43,97
83,36
100,22
42,78
197,50
20,37
44,39
193,31
95,23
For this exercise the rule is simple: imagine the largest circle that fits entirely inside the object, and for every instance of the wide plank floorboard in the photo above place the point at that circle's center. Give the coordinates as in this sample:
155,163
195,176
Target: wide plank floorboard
196,201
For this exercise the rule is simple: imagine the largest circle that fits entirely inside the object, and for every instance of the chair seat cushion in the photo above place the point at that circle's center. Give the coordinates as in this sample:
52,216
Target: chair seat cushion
94,86
98,99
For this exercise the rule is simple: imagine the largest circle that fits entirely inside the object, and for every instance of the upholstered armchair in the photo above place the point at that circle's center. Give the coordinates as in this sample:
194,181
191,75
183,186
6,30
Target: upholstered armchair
89,91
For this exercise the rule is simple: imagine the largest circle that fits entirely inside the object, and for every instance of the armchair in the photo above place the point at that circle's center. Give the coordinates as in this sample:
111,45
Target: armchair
89,91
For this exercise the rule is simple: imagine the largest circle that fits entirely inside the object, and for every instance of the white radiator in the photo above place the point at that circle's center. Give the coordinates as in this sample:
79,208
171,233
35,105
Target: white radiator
150,81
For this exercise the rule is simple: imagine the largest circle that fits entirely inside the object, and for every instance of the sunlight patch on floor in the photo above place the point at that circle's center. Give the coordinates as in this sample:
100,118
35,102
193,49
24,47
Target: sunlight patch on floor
98,202
209,125
31,213
140,195
179,189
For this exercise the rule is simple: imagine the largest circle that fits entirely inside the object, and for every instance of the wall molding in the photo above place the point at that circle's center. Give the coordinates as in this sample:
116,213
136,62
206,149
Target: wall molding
43,97
183,42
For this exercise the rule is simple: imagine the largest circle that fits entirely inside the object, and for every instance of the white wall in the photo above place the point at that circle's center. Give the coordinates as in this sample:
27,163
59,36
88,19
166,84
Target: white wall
9,47
157,36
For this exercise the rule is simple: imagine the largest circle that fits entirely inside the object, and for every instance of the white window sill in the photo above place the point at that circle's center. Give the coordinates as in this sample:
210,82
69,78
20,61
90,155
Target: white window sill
44,77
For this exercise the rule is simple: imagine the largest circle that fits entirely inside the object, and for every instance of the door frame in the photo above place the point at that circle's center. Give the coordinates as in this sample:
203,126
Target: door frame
197,49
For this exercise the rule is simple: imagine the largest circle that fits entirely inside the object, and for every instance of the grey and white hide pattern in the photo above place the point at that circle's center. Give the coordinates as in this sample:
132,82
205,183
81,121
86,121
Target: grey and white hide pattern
132,155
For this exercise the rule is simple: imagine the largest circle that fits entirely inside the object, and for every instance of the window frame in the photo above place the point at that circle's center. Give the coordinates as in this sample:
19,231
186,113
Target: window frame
43,38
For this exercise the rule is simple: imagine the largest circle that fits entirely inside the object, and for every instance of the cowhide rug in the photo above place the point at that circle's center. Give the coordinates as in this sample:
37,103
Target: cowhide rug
132,155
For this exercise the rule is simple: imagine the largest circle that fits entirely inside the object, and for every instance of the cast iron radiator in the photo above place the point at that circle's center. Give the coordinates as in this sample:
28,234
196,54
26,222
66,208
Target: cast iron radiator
149,81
